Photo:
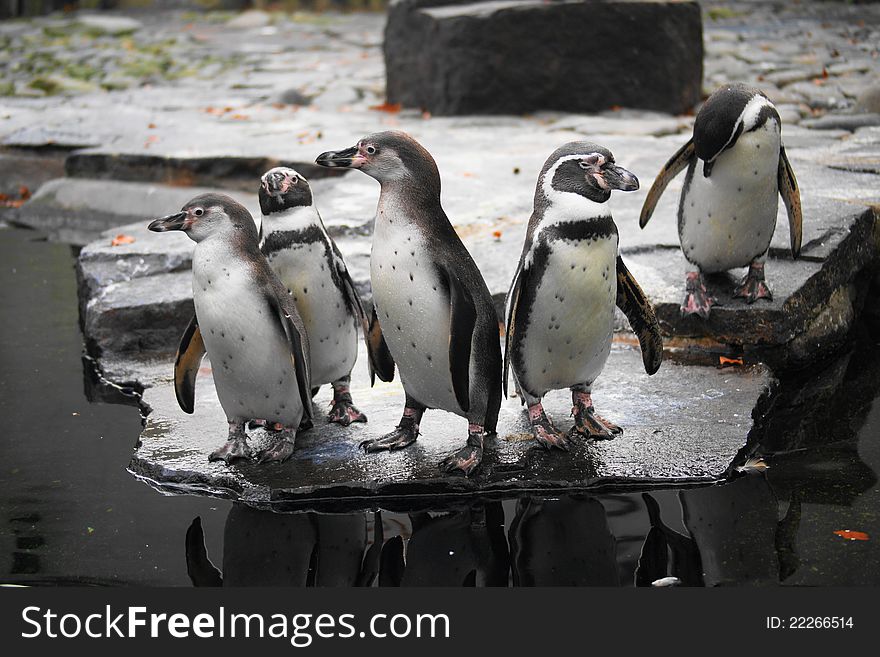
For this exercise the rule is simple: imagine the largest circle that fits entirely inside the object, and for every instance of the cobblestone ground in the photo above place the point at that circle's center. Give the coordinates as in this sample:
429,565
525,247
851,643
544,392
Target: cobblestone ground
138,82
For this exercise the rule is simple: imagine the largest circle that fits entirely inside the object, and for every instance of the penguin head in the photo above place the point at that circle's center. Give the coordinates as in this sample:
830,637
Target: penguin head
283,188
585,169
207,215
388,157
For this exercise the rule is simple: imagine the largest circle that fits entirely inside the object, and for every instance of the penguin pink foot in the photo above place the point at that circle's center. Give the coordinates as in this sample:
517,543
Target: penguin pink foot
588,423
236,447
403,436
544,432
468,458
282,447
343,411
697,300
753,287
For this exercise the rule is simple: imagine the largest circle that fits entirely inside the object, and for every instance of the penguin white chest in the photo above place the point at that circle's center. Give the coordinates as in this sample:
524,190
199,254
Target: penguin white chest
728,219
413,309
250,358
567,338
304,271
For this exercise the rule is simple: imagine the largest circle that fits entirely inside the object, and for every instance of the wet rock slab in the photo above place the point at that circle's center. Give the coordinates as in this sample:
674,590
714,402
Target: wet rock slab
683,425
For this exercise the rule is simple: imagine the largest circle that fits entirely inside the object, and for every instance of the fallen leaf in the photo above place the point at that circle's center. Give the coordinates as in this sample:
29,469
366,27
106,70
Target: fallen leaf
391,108
723,360
851,535
151,126
496,234
24,193
121,239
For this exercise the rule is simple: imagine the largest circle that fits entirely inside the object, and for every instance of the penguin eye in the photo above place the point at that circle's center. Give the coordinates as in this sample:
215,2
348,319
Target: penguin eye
371,150
198,212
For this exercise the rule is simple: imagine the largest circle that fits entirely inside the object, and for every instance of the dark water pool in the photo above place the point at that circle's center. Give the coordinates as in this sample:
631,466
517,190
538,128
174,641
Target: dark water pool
71,514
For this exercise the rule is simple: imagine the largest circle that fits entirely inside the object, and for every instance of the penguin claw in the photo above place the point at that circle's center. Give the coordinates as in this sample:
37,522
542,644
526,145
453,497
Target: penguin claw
697,300
466,460
234,449
280,452
344,413
398,439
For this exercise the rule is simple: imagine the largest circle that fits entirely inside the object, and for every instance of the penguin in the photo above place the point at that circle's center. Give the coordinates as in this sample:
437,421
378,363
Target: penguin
432,312
736,170
247,323
560,307
311,268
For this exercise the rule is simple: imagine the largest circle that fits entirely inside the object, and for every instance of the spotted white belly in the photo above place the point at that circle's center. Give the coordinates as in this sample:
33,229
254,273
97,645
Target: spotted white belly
331,327
568,337
413,311
253,372
729,218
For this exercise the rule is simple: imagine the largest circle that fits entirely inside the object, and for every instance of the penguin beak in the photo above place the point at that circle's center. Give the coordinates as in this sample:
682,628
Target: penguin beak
615,177
347,158
171,222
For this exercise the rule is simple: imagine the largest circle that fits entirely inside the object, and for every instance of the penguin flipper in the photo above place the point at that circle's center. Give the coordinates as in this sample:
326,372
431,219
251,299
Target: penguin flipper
186,365
676,164
640,313
510,320
462,321
297,342
380,360
791,196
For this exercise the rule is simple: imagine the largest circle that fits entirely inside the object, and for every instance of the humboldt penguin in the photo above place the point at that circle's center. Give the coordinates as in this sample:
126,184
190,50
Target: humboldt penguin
432,312
736,170
560,307
247,323
310,267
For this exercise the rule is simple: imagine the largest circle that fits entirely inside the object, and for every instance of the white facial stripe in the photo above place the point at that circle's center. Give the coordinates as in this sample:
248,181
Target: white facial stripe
748,118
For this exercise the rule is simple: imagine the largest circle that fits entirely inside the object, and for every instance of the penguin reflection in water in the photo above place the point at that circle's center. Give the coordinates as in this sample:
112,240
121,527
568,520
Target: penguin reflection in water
311,269
736,170
432,312
247,323
560,308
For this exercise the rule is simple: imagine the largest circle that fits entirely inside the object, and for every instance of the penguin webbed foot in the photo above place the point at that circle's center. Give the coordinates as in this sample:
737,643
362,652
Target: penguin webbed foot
235,448
697,300
589,424
753,286
344,412
548,436
403,436
466,460
280,450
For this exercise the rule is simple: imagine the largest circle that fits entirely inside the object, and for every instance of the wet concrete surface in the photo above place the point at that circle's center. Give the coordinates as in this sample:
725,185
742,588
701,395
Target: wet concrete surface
684,424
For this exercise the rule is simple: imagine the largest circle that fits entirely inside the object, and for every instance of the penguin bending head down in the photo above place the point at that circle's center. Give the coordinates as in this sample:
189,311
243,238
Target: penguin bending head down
560,308
248,325
432,312
311,269
736,170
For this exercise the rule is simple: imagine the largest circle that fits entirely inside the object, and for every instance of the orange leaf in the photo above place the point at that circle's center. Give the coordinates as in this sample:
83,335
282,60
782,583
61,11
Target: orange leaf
121,239
851,535
723,360
496,234
391,108
24,193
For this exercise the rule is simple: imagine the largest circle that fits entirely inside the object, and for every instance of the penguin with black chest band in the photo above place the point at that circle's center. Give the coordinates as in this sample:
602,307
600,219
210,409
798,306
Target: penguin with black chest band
248,325
736,170
432,312
560,308
311,268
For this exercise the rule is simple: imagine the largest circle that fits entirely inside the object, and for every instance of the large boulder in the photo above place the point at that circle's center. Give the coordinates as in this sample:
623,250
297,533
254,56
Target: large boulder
517,56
